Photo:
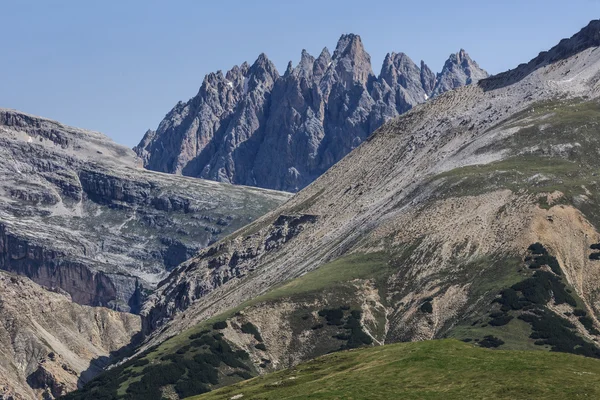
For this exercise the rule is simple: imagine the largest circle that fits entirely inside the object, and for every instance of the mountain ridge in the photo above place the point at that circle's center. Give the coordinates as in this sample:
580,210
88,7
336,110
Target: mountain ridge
79,213
252,126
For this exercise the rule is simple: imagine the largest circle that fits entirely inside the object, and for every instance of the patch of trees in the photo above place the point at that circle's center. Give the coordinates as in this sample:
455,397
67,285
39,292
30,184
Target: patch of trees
220,325
540,257
588,323
427,307
490,341
500,319
352,333
537,249
552,330
334,316
106,385
192,369
250,329
260,346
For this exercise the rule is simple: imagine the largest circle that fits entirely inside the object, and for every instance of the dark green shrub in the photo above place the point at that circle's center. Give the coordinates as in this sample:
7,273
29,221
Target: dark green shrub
260,346
203,340
333,316
588,323
199,334
539,289
501,320
241,374
242,355
491,342
188,388
141,362
579,312
548,260
538,248
250,329
427,307
341,336
558,333
220,325
317,326
207,358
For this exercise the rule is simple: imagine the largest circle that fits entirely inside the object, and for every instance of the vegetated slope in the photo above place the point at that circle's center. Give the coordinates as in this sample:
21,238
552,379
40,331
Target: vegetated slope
47,341
426,370
79,213
472,216
253,126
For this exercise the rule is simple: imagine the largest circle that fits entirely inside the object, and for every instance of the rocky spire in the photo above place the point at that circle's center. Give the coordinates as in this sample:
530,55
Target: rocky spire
427,78
352,62
321,64
306,65
399,69
459,70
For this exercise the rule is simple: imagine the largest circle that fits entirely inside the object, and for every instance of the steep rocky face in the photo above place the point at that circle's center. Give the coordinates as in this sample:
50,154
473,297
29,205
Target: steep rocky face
80,214
254,127
47,342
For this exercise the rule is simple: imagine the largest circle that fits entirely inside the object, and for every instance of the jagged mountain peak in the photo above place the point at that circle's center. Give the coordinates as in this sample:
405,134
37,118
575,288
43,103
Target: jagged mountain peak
263,62
459,70
325,54
397,68
306,65
348,43
352,63
333,103
321,64
428,78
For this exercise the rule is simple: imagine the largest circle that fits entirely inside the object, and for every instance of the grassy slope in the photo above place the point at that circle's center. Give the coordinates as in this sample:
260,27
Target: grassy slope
446,369
332,277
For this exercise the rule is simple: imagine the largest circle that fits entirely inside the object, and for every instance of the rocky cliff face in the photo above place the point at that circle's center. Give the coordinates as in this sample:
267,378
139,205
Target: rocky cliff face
255,127
77,212
47,342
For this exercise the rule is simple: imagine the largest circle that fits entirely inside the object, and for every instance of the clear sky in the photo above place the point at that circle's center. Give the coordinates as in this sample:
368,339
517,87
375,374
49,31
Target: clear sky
118,66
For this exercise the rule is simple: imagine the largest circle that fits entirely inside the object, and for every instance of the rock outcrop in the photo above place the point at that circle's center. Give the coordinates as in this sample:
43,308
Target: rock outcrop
253,127
47,342
79,213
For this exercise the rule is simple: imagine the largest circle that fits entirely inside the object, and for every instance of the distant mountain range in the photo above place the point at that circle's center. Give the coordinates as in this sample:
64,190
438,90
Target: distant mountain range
253,126
78,213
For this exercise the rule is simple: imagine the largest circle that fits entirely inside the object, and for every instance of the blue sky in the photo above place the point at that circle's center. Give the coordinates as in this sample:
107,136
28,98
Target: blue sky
119,66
